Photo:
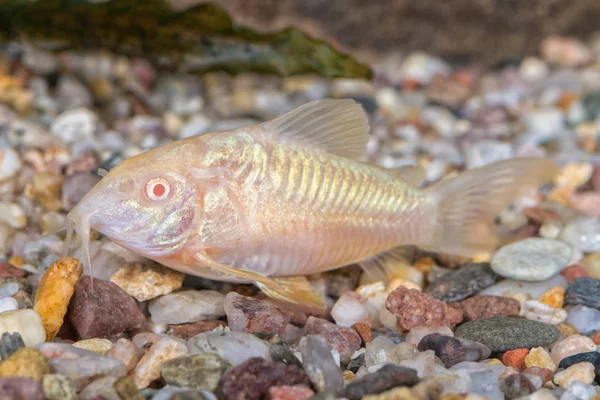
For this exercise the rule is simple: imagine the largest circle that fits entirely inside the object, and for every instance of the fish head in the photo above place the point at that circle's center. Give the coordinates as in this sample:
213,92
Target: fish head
145,204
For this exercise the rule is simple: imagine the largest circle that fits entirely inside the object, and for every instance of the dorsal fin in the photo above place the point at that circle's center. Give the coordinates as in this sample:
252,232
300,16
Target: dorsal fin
339,127
412,174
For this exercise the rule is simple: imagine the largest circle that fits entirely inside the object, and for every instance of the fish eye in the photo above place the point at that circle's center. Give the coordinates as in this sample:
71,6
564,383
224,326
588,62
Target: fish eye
157,189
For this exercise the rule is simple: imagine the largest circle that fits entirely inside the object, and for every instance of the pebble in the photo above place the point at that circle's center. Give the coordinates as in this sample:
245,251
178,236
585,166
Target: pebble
100,388
584,291
97,345
536,311
415,309
25,363
386,377
341,339
187,331
107,310
10,343
319,364
148,368
233,347
583,233
570,345
415,335
516,386
252,379
478,307
10,163
20,389
508,333
144,282
585,319
74,125
8,304
199,371
553,297
126,352
58,387
462,283
54,293
13,215
450,350
591,357
25,322
532,259
583,372
187,306
286,392
531,289
351,309
8,271
245,314
515,358
79,365
126,389
539,357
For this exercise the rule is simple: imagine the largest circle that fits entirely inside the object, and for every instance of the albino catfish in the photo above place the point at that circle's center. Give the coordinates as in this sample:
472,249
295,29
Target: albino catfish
289,197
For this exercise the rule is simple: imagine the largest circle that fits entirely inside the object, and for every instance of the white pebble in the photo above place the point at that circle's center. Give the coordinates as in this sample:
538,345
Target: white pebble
74,125
538,311
27,322
10,163
13,215
8,304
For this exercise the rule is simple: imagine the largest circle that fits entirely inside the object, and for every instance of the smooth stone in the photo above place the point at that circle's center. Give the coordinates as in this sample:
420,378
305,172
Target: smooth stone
584,291
449,349
246,314
8,304
415,335
462,283
10,163
533,259
570,345
10,343
58,387
187,306
233,347
485,383
585,319
516,386
341,339
386,377
26,322
379,351
199,371
320,365
592,357
533,289
583,234
536,311
163,349
74,125
508,333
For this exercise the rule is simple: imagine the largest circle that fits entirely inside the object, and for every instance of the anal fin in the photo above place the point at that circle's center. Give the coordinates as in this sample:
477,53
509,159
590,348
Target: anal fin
295,290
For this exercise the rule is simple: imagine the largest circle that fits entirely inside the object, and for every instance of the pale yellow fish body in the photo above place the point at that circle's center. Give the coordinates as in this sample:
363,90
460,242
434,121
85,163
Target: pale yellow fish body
289,197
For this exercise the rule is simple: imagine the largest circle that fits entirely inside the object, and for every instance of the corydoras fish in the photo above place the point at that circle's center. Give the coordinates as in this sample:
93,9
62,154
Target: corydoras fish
289,197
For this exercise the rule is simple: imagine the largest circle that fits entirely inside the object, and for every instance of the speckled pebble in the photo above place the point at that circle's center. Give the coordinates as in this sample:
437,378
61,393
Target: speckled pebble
462,283
144,282
584,291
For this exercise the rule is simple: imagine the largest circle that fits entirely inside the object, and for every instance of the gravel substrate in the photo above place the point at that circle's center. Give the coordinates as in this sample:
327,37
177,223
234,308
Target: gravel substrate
523,323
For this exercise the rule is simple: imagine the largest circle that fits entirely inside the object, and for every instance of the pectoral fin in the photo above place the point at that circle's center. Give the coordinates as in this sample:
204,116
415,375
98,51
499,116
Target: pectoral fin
295,290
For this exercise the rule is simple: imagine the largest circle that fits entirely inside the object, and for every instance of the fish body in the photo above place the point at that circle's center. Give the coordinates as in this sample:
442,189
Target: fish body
290,197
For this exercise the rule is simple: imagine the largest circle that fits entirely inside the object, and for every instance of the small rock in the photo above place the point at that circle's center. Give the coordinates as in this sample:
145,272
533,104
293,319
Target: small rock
20,389
200,371
319,364
23,299
245,314
530,289
553,297
101,388
450,350
252,379
532,259
80,366
516,386
341,339
415,335
515,358
233,347
585,319
583,233
187,331
536,311
543,373
584,291
13,215
100,346
364,331
478,307
349,309
54,293
107,310
10,163
574,272
583,372
126,389
10,343
356,363
590,357
462,283
148,368
58,387
8,304
386,377
507,333
25,363
74,125
187,306
126,352
539,357
570,345
25,322
296,392
8,271
144,282
415,309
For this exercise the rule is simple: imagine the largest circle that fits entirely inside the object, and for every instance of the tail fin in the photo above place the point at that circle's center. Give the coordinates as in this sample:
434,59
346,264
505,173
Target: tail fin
469,203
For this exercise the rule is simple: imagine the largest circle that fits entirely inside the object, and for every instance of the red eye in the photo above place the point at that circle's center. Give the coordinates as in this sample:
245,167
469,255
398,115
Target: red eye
157,189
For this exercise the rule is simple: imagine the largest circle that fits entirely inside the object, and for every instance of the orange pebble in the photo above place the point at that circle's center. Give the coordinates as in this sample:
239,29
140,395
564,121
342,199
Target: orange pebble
515,358
596,338
574,272
554,297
